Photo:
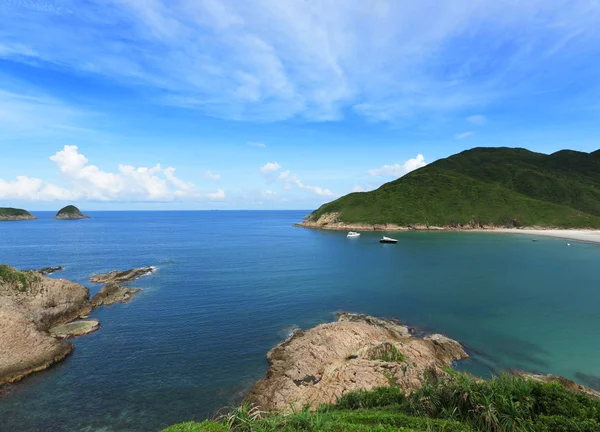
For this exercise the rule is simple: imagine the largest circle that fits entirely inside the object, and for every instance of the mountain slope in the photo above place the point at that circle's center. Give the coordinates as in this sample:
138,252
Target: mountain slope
484,186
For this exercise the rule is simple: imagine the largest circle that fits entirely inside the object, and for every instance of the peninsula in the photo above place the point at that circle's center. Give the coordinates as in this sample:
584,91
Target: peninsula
70,212
37,312
480,188
14,214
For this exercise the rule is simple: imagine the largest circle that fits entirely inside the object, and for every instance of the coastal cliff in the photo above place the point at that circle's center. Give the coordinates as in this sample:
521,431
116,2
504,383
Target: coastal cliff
70,212
14,214
356,352
38,312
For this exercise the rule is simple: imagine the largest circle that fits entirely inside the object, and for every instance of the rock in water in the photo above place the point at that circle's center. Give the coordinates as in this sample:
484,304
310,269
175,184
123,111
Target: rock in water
73,329
30,304
118,277
113,293
70,212
357,352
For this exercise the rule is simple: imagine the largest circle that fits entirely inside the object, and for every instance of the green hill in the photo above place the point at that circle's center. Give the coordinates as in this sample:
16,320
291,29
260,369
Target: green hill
484,186
9,213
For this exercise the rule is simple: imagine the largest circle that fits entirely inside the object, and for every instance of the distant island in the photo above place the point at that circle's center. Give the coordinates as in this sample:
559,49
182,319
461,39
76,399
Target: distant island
478,188
9,213
70,212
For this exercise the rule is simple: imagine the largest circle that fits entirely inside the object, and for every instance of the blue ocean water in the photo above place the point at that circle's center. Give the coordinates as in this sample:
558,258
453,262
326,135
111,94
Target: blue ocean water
230,285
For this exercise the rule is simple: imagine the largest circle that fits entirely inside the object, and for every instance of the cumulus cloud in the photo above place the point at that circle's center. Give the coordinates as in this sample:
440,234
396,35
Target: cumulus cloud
464,135
213,176
219,195
398,170
270,168
87,182
256,144
360,188
477,119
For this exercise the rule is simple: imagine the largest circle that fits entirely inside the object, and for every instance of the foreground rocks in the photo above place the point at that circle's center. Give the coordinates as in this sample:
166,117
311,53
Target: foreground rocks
113,293
357,352
117,277
27,311
75,328
36,312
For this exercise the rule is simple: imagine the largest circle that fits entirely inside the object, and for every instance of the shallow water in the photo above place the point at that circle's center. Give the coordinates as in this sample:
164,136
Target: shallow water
230,285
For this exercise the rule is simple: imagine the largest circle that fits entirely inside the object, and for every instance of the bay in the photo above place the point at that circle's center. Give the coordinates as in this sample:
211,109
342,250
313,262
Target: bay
232,284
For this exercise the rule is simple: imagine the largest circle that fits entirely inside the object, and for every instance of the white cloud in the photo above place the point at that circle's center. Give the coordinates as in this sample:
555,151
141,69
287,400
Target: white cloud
359,188
270,168
86,182
292,179
275,59
464,135
477,119
219,195
398,170
256,144
213,176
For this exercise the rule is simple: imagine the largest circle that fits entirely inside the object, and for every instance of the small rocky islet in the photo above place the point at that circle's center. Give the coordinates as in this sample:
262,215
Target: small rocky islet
37,312
15,214
70,212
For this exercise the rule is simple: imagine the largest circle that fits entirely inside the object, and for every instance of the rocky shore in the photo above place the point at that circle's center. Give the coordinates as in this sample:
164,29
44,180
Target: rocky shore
37,312
319,365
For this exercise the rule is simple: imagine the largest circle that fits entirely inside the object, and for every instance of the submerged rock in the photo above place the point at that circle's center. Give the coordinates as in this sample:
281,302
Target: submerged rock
73,329
113,293
49,270
117,277
70,212
319,365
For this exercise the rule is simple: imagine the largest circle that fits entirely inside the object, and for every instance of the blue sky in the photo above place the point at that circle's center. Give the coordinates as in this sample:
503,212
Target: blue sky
268,104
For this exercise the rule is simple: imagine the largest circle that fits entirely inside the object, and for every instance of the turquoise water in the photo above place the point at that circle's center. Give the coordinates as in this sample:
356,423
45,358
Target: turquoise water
230,285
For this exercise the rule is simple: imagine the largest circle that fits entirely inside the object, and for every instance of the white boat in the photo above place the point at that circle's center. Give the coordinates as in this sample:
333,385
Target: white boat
385,239
352,234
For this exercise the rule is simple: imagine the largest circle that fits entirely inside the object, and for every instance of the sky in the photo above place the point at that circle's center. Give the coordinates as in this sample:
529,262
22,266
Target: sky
278,104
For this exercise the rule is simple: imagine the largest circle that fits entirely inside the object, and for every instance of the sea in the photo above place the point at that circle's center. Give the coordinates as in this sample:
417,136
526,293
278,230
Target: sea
230,285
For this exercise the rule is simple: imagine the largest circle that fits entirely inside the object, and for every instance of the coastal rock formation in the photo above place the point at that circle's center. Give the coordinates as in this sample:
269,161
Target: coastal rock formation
117,277
70,212
357,352
113,293
14,214
49,270
30,304
73,329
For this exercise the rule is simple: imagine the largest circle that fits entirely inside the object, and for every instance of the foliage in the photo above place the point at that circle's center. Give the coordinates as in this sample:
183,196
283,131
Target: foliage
13,212
452,403
69,210
387,352
485,186
20,280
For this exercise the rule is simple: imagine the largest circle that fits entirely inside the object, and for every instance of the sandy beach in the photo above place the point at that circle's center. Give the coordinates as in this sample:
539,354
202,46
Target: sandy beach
591,236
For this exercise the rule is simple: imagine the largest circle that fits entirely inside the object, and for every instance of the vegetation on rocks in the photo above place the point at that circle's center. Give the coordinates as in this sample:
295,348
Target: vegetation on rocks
484,186
20,280
456,402
70,212
10,213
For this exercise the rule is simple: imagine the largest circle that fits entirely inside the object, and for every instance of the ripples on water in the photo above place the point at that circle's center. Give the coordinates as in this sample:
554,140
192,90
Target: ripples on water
231,285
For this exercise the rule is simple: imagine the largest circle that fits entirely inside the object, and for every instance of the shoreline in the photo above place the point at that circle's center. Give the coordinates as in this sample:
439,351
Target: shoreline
588,235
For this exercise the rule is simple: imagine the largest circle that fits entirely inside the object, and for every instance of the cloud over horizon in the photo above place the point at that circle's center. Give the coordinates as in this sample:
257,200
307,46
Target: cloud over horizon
86,182
398,170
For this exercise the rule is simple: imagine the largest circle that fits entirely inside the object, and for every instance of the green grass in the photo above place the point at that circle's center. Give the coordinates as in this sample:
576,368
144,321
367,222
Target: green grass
451,403
387,352
500,186
12,212
20,280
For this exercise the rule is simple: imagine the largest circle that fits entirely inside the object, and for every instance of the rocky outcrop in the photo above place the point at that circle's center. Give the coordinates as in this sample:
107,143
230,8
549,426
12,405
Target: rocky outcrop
117,277
70,212
75,328
113,293
37,311
356,352
30,304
